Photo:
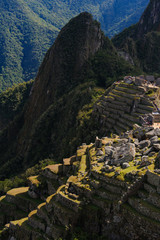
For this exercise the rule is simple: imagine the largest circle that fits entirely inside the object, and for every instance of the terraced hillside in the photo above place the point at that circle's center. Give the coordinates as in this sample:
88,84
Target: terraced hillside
124,104
112,181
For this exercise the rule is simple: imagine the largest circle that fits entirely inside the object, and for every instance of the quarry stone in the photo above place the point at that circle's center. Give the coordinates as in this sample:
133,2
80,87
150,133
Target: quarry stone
154,140
125,165
153,179
145,158
156,146
99,153
109,151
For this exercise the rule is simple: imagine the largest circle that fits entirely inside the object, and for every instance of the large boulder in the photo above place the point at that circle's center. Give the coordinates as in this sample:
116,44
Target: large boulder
144,143
109,151
152,133
125,165
154,140
99,152
124,153
156,146
141,132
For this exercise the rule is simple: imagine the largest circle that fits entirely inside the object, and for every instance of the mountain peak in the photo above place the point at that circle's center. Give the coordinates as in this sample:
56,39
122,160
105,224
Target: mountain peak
60,71
76,42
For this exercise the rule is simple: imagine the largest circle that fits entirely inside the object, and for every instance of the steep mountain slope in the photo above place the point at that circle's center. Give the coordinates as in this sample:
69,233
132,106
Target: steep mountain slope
80,61
28,29
12,102
142,41
150,20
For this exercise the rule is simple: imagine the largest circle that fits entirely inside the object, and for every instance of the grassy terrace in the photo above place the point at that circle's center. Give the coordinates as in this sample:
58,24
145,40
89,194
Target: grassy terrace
130,209
124,94
66,196
145,208
2,197
16,191
63,208
54,168
128,90
120,97
19,222
34,180
83,164
109,193
105,201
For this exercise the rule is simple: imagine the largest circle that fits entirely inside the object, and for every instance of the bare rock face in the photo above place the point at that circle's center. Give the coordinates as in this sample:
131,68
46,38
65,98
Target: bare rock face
150,20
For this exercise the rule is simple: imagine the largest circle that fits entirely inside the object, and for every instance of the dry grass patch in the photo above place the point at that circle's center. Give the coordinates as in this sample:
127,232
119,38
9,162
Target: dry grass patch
48,200
83,164
2,197
34,180
19,222
41,205
56,168
16,191
67,161
32,213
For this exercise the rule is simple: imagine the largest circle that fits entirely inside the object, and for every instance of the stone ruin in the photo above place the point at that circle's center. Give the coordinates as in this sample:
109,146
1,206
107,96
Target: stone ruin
133,100
114,181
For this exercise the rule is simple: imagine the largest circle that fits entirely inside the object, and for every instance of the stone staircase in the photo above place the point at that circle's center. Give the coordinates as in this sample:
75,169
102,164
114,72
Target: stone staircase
16,204
51,220
36,218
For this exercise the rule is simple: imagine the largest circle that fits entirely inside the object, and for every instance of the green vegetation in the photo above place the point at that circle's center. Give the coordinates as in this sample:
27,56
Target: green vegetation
21,180
12,102
141,41
28,29
107,66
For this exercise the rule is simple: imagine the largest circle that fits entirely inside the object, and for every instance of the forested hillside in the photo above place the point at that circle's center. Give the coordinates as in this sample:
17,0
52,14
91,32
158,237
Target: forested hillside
28,29
141,41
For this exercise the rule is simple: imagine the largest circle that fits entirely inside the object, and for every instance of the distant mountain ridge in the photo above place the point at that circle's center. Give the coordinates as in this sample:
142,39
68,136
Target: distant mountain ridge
29,28
142,40
150,20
